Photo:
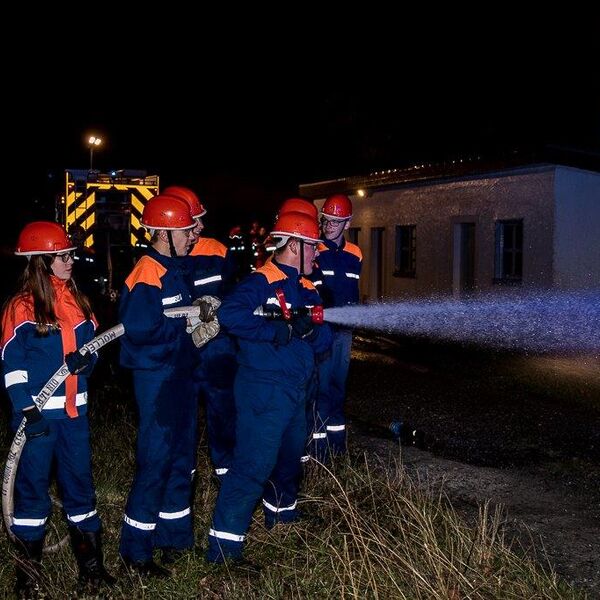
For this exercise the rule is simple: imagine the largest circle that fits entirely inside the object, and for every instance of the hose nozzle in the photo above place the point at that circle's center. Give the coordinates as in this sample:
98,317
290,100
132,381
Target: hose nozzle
276,314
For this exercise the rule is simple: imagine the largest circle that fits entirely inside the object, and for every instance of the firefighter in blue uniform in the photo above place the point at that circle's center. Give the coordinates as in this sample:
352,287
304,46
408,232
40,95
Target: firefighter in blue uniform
161,355
306,207
42,327
276,361
212,273
336,278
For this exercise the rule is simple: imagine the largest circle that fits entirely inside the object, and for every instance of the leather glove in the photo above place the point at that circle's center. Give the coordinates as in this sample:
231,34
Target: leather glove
283,332
302,327
205,332
208,307
77,362
35,424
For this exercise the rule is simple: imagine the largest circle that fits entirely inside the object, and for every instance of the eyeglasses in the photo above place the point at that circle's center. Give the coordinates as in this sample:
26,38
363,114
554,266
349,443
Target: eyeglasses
331,222
65,256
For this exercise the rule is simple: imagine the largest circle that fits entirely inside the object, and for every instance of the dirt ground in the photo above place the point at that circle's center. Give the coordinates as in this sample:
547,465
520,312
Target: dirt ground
520,431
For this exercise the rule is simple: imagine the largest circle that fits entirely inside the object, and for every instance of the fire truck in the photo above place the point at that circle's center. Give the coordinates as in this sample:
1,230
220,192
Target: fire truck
102,212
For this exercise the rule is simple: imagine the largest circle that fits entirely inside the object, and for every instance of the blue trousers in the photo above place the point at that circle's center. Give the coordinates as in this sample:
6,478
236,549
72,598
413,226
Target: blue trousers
270,439
69,443
214,377
329,421
159,508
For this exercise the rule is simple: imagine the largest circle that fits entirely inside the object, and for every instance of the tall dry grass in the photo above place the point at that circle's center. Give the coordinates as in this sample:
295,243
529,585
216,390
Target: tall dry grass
372,531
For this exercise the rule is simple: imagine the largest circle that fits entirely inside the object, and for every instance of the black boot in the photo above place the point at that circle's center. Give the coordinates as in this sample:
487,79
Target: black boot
146,568
87,547
29,568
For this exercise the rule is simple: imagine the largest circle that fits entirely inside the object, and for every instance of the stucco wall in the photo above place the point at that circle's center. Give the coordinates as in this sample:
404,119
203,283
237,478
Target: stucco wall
434,208
577,241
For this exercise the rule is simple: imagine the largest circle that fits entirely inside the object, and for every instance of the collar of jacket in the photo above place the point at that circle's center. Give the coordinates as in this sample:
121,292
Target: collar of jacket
169,262
290,272
331,245
58,285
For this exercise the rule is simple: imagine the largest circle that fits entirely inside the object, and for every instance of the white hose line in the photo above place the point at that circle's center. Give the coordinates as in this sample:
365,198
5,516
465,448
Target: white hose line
14,454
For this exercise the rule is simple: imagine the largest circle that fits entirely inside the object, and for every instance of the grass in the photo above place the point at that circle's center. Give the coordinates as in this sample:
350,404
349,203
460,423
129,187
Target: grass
383,535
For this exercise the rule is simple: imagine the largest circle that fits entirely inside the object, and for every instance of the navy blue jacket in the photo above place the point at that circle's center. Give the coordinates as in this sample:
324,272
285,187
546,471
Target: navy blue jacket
337,273
152,341
211,269
29,360
293,361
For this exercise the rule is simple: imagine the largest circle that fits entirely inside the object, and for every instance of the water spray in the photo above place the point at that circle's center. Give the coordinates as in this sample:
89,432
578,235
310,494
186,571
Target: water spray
537,322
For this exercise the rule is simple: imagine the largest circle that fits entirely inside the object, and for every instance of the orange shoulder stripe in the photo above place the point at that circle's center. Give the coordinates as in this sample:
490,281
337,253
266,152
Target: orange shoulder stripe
321,247
271,272
353,249
208,247
18,311
309,285
146,270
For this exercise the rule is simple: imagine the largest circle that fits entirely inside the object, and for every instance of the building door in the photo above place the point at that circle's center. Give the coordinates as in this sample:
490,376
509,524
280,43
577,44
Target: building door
376,290
463,264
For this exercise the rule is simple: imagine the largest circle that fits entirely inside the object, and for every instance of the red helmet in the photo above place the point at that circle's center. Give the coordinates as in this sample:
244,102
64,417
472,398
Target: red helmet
299,205
167,212
43,237
297,225
337,207
183,193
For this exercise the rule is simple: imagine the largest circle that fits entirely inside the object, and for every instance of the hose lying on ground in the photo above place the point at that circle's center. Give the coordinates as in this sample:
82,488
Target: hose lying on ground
16,449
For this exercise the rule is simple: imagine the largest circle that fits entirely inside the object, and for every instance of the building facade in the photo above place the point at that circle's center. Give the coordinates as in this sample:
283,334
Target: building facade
427,231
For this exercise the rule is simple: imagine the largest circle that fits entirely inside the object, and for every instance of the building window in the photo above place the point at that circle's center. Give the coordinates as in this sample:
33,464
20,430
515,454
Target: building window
509,251
353,235
406,251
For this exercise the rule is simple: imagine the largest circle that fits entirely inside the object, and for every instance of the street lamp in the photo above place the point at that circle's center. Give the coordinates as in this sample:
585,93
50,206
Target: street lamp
93,142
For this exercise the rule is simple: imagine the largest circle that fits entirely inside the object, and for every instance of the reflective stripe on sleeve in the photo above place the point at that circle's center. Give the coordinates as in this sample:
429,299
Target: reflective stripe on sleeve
171,300
328,272
319,436
221,471
273,300
353,275
208,280
15,377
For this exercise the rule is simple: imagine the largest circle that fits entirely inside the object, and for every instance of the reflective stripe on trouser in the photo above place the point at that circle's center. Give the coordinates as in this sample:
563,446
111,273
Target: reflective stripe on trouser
158,512
69,442
214,376
329,408
270,436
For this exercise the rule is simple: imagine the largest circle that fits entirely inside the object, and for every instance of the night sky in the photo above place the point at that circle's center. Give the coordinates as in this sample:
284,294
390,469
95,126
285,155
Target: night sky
245,131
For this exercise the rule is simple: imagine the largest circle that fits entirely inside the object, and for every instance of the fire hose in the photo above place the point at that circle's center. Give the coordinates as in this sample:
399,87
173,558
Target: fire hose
16,449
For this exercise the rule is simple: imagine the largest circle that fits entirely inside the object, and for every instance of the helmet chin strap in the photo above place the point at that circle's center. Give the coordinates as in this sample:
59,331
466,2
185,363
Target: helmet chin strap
302,258
171,245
